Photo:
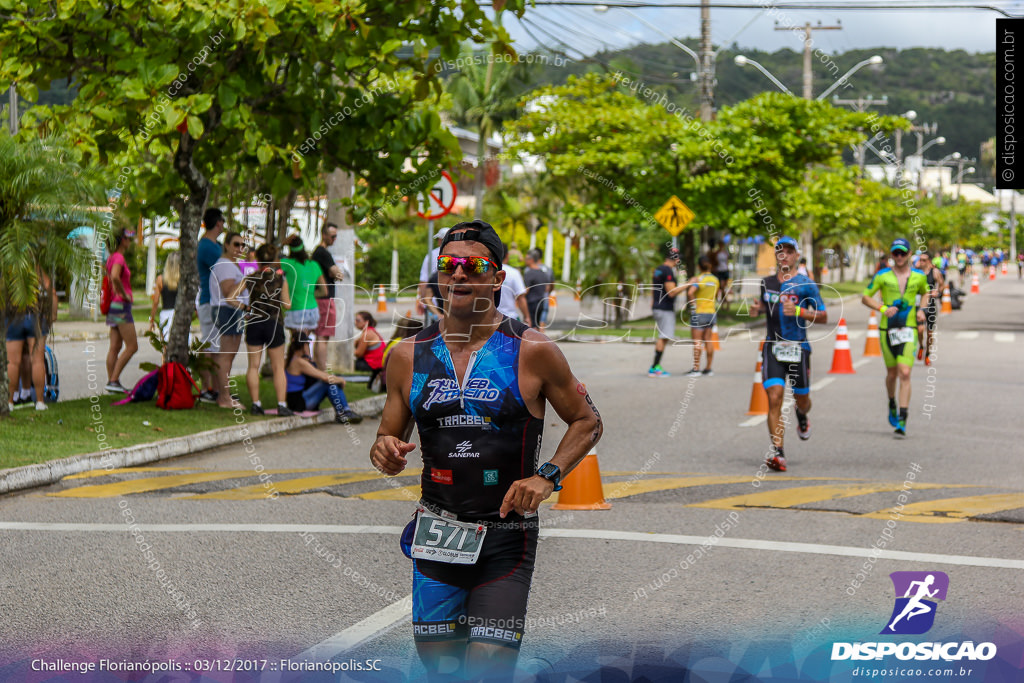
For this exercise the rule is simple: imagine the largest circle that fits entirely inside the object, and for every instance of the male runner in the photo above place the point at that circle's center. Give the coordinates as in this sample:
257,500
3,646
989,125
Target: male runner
664,291
787,354
476,384
930,306
900,286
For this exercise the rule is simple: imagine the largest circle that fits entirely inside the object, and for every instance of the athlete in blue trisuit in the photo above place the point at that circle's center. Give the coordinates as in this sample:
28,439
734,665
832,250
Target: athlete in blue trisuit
475,384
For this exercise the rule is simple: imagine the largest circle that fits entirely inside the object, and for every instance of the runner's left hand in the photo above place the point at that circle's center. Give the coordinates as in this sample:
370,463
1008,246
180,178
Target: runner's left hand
526,495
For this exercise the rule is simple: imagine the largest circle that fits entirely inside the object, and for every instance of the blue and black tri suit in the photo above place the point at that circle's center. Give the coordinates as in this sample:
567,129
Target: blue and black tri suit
783,328
476,439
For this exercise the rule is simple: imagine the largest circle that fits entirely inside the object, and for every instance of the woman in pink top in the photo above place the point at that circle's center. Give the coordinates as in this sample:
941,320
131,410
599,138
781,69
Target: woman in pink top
119,317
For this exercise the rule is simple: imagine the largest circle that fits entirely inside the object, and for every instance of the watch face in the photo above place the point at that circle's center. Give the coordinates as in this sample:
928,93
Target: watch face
547,470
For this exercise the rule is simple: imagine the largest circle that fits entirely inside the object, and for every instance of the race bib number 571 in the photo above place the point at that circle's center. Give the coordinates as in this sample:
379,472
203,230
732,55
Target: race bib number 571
447,540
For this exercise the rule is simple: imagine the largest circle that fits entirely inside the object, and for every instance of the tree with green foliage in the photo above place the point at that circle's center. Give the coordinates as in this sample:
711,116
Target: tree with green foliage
44,195
174,93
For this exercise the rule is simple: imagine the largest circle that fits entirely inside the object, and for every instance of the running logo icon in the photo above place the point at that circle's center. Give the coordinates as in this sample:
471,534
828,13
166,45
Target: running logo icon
917,596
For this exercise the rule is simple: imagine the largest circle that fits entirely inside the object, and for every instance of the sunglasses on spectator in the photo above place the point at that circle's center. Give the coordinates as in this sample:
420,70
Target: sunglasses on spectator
238,244
471,265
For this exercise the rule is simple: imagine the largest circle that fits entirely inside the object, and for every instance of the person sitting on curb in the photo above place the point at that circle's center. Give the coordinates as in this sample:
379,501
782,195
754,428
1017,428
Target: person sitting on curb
308,385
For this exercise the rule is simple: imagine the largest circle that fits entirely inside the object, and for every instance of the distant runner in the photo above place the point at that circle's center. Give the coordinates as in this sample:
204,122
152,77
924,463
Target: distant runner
702,290
900,286
787,354
476,384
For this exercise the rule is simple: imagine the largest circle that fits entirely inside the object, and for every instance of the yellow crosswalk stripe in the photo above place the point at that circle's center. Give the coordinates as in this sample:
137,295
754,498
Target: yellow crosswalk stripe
128,470
801,495
411,493
123,488
624,489
298,485
948,510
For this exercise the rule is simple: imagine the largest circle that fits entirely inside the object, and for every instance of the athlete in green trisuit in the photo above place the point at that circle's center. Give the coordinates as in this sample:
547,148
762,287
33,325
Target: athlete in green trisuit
902,287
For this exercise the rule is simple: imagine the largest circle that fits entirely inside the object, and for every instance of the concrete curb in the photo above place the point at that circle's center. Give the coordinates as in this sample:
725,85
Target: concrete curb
43,474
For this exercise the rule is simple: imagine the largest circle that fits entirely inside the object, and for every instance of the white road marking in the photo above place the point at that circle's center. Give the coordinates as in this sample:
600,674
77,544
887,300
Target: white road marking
357,634
599,534
822,383
861,363
1004,337
967,335
855,334
756,420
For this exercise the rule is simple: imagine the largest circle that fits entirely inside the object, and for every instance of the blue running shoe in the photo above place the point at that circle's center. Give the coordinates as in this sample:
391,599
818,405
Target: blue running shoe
894,418
901,429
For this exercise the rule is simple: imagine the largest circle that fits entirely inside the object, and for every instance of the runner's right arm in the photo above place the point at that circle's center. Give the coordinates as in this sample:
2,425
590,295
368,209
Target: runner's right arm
396,423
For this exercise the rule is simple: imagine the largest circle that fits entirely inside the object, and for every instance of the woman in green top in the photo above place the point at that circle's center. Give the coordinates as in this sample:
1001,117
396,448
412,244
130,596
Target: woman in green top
306,283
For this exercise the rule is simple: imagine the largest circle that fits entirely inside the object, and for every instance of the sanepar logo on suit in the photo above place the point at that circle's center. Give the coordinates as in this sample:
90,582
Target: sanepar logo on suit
916,604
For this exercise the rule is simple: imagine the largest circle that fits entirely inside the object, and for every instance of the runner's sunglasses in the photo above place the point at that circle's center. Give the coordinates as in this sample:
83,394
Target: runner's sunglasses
471,265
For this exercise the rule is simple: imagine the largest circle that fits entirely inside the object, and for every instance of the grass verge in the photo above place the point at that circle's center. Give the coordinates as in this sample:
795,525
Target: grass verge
70,428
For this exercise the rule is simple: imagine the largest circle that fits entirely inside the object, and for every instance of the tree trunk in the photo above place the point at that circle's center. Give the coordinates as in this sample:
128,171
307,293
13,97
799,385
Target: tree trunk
191,219
284,211
478,185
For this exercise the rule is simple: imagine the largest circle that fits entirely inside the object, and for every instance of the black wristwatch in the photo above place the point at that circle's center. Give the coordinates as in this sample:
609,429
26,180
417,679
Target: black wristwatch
552,473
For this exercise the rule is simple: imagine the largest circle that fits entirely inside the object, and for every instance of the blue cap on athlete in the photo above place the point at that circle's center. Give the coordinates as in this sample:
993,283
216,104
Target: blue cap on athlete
784,240
900,244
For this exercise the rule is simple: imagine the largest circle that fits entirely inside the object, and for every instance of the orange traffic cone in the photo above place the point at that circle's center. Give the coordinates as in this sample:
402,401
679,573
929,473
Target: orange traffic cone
552,305
991,272
1004,268
824,272
872,344
842,361
577,293
382,302
581,489
947,301
758,396
975,289
716,345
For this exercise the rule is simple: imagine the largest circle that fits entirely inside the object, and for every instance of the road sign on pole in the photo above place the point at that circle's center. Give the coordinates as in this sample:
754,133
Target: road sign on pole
674,216
439,200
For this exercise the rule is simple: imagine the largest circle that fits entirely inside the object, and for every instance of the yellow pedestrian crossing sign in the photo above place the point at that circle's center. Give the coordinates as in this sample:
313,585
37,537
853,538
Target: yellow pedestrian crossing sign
674,216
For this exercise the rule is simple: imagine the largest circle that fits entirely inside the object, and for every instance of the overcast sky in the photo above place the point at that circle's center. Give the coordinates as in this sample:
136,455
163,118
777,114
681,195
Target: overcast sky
588,31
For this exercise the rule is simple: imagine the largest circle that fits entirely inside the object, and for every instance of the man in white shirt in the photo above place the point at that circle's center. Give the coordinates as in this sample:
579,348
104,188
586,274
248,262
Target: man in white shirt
427,270
513,293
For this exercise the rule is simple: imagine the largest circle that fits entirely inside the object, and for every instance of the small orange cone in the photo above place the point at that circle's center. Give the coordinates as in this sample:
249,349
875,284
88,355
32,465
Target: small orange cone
824,272
975,289
842,361
758,396
382,302
872,343
577,293
716,345
1004,268
991,272
581,489
947,301
552,304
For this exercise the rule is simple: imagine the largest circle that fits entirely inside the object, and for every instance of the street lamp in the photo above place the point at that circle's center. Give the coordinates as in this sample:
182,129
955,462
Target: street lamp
937,141
740,60
874,59
601,9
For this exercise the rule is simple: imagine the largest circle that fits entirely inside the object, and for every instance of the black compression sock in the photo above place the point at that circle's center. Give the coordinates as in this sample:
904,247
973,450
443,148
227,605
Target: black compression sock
892,404
657,358
903,413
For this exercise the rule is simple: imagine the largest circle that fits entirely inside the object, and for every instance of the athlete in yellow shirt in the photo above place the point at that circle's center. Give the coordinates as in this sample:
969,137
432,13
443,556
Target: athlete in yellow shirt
702,290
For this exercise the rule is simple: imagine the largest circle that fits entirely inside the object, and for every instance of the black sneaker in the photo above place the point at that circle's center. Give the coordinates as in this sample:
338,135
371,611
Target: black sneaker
284,411
256,410
115,388
208,396
348,416
707,372
803,426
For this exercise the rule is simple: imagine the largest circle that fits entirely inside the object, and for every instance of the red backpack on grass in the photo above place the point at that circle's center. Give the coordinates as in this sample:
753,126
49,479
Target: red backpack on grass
175,387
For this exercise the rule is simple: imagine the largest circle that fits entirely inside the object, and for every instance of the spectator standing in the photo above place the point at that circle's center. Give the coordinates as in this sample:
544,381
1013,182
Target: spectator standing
326,305
268,297
665,290
539,284
721,263
308,385
119,317
305,283
512,297
208,252
23,336
229,300
165,295
427,291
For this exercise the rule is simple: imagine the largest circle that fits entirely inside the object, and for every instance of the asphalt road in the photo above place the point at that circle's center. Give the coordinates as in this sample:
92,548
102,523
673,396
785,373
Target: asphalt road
316,571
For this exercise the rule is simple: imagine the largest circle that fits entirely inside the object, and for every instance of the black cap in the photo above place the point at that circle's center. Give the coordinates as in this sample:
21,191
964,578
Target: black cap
478,231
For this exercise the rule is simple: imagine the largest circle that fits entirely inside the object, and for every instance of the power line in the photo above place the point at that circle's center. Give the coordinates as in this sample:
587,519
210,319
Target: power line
796,6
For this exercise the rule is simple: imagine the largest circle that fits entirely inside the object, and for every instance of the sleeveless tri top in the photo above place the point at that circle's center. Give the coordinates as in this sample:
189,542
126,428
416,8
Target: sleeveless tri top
477,438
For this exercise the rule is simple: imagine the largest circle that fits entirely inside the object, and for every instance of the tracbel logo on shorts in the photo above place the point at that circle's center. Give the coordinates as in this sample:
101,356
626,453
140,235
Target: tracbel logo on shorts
434,629
441,476
464,421
495,633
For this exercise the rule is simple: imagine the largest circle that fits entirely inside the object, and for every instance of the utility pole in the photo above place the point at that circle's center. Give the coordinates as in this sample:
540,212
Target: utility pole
808,93
861,104
707,64
13,94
